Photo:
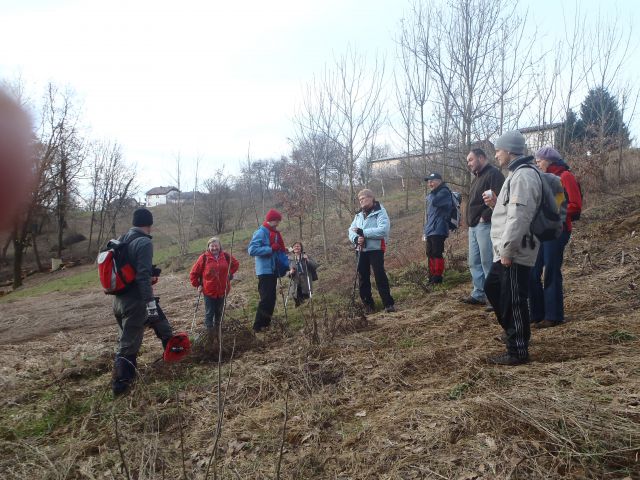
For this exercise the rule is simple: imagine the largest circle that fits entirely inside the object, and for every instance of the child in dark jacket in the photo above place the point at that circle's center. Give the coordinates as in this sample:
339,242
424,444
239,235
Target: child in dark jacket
303,273
211,275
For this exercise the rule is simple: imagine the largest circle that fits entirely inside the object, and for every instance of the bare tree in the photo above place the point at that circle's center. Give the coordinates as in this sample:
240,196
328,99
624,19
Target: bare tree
358,101
215,208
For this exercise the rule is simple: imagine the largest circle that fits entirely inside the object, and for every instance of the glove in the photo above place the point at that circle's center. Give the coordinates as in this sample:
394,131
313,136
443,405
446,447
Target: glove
230,276
359,232
155,271
152,311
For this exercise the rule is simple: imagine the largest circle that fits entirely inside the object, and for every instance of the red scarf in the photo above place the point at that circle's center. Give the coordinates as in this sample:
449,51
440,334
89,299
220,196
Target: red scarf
275,237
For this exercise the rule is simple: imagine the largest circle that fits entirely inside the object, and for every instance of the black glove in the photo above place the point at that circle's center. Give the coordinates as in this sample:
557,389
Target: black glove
155,271
359,232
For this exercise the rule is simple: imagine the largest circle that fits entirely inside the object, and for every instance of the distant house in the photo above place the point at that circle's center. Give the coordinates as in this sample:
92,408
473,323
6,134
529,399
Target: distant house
541,135
158,195
395,164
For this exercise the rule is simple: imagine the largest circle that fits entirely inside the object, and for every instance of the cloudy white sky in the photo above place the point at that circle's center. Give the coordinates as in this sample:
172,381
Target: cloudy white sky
195,77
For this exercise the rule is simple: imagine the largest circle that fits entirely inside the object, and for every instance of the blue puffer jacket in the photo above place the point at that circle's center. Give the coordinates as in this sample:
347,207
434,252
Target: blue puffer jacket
439,205
375,226
266,259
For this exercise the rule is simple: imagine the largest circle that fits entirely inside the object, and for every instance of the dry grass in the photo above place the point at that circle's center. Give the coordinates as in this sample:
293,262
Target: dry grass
389,396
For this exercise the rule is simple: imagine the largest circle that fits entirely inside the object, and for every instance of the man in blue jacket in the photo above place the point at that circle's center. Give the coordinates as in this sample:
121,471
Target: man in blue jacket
369,231
272,262
436,229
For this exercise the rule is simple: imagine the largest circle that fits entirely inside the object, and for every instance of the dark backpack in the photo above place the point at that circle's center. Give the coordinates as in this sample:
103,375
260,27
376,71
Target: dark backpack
114,267
547,223
455,214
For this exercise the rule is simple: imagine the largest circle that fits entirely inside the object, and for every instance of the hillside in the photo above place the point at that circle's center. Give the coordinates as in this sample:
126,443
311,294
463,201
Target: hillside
396,396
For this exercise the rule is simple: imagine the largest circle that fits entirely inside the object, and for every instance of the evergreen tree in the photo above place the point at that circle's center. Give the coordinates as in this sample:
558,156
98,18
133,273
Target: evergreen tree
570,134
602,120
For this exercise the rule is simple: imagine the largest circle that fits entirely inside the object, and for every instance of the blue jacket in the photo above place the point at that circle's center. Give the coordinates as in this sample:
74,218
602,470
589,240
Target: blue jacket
266,259
375,226
439,205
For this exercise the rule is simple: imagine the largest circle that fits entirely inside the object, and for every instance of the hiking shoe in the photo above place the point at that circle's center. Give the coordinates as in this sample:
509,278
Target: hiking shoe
508,359
545,324
368,308
489,308
390,309
435,280
472,301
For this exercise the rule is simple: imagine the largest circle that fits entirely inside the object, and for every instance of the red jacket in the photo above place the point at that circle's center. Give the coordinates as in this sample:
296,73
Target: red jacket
211,273
570,184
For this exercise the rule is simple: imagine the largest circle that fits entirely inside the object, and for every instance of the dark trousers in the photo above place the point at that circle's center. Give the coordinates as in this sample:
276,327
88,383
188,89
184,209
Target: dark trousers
131,315
212,311
435,246
267,290
506,289
546,302
368,260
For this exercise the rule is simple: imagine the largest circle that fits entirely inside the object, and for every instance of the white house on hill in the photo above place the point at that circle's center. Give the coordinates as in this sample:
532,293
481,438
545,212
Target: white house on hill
158,195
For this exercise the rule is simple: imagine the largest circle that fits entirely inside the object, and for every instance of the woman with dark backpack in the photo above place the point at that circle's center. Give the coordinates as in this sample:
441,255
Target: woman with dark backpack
546,302
211,275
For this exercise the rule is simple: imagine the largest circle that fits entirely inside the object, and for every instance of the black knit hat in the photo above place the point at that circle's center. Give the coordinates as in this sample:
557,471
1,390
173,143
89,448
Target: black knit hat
142,218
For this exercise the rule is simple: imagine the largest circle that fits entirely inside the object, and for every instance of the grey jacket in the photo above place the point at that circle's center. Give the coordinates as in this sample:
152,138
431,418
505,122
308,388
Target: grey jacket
511,220
140,253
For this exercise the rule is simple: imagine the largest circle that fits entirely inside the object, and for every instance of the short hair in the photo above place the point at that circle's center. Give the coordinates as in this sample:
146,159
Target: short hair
366,193
214,240
478,152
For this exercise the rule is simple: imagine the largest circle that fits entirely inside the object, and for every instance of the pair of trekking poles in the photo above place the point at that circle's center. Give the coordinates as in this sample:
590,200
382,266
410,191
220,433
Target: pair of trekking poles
298,269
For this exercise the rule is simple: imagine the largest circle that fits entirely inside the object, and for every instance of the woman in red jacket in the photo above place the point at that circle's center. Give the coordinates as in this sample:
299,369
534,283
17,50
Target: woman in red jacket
211,275
546,302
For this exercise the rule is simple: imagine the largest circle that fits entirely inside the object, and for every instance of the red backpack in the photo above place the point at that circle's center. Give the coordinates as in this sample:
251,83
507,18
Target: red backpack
115,271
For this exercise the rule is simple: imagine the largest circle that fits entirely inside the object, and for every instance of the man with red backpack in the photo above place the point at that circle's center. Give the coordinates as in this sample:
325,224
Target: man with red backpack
211,275
135,306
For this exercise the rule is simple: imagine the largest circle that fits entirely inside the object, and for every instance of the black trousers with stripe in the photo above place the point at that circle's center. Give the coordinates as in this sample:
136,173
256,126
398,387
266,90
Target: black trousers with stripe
507,289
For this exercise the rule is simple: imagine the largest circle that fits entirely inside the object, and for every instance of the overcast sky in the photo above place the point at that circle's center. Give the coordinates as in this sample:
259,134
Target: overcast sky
200,78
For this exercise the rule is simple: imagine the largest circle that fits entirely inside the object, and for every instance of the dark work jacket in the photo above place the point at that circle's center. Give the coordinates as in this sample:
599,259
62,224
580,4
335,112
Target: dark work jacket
140,253
439,205
489,178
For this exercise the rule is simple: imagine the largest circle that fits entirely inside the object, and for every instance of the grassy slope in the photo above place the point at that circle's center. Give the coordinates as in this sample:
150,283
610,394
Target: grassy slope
405,396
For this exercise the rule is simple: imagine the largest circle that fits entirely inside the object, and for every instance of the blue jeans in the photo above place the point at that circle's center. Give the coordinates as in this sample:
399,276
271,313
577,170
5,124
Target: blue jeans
480,257
212,311
546,302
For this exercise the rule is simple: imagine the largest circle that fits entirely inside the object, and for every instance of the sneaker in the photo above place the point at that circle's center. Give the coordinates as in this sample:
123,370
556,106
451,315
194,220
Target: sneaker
508,359
545,324
390,309
473,301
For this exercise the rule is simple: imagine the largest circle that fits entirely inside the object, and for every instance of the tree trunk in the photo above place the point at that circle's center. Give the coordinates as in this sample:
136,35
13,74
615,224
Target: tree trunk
35,252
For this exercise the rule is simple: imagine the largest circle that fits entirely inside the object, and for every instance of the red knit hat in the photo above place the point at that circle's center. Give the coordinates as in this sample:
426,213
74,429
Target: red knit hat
273,215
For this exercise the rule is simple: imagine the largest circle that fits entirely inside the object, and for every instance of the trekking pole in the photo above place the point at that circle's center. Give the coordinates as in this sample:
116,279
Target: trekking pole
193,322
306,263
355,278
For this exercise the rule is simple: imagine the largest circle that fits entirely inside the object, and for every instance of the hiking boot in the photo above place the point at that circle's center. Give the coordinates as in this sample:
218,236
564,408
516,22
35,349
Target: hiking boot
435,280
545,324
489,308
508,359
472,301
390,309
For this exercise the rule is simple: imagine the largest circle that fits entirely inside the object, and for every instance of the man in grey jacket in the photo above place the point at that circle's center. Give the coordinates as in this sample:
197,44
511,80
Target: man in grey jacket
514,248
136,307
